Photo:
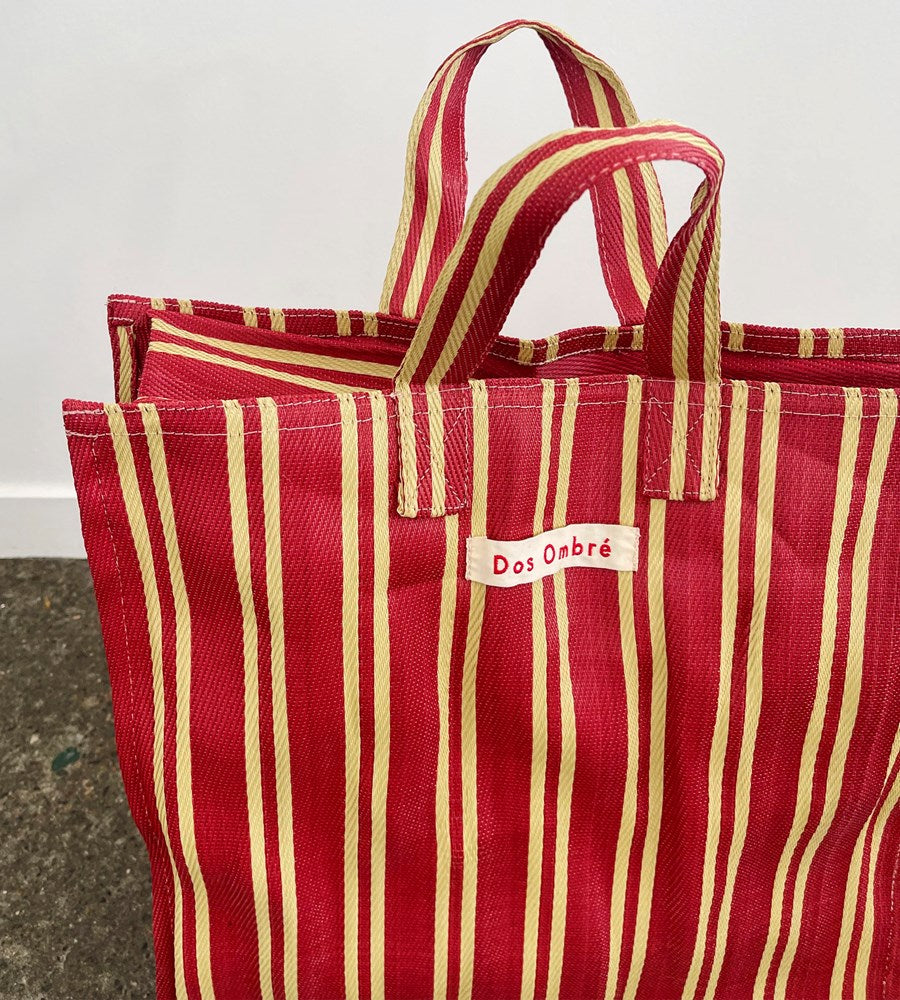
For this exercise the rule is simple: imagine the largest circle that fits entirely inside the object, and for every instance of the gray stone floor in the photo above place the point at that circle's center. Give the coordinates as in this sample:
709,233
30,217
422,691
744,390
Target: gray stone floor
74,878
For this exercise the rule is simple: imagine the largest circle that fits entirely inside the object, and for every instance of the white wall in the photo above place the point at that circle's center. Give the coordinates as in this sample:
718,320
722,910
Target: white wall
253,153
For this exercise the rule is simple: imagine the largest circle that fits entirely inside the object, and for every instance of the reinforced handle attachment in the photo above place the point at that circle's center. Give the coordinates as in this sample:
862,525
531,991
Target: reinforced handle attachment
504,231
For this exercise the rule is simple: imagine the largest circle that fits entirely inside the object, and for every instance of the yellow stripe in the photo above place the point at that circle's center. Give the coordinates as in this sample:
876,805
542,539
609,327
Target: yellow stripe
683,299
730,564
126,368
835,342
250,316
185,306
631,669
350,615
436,440
432,200
874,824
552,350
496,237
852,688
735,336
709,454
538,718
442,796
468,747
611,338
851,902
658,695
408,500
276,320
637,339
678,459
158,304
137,520
658,231
816,724
566,709
712,390
712,320
240,527
633,256
342,317
382,688
526,352
181,351
598,94
302,358
762,564
807,339
271,478
370,324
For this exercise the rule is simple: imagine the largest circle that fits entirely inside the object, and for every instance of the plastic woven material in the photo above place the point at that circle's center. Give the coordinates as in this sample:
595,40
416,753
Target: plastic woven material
361,769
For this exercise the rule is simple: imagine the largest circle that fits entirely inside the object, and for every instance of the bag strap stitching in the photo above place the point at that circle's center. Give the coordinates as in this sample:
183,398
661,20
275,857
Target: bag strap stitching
661,407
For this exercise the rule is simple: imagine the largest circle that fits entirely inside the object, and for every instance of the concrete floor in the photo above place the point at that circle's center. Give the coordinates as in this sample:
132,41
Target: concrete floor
74,878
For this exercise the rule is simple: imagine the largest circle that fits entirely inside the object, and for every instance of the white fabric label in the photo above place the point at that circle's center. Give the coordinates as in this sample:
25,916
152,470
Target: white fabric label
509,563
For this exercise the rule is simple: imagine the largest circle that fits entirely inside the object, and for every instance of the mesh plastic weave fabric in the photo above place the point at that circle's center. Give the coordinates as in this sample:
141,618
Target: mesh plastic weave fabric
362,772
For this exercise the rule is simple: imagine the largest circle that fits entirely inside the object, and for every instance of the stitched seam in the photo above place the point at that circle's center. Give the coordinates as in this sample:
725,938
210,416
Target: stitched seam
506,348
832,392
662,409
891,936
460,502
420,433
403,323
448,486
837,397
310,427
511,344
138,300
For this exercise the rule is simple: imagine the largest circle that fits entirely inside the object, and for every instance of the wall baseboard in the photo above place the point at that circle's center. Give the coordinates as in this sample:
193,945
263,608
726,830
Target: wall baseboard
43,523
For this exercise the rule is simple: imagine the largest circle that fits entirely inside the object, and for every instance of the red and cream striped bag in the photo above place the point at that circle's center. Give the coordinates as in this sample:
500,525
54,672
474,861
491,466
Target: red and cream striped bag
445,665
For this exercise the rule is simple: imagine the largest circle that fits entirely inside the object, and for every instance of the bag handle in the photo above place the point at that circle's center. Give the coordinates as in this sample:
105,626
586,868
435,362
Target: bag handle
628,210
504,232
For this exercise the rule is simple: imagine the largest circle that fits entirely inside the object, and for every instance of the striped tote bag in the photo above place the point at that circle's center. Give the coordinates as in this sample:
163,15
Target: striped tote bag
475,684
455,666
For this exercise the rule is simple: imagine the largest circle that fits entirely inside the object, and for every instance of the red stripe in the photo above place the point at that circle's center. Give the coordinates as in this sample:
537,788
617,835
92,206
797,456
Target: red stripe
312,565
415,582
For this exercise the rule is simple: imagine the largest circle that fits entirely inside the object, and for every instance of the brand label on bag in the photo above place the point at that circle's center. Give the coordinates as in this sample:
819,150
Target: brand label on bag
509,563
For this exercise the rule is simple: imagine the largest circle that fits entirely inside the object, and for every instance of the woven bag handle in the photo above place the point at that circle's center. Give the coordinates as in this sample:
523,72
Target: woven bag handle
504,232
628,211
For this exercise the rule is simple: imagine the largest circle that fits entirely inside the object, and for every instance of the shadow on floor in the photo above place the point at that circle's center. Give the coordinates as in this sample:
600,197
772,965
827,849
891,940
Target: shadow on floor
74,877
